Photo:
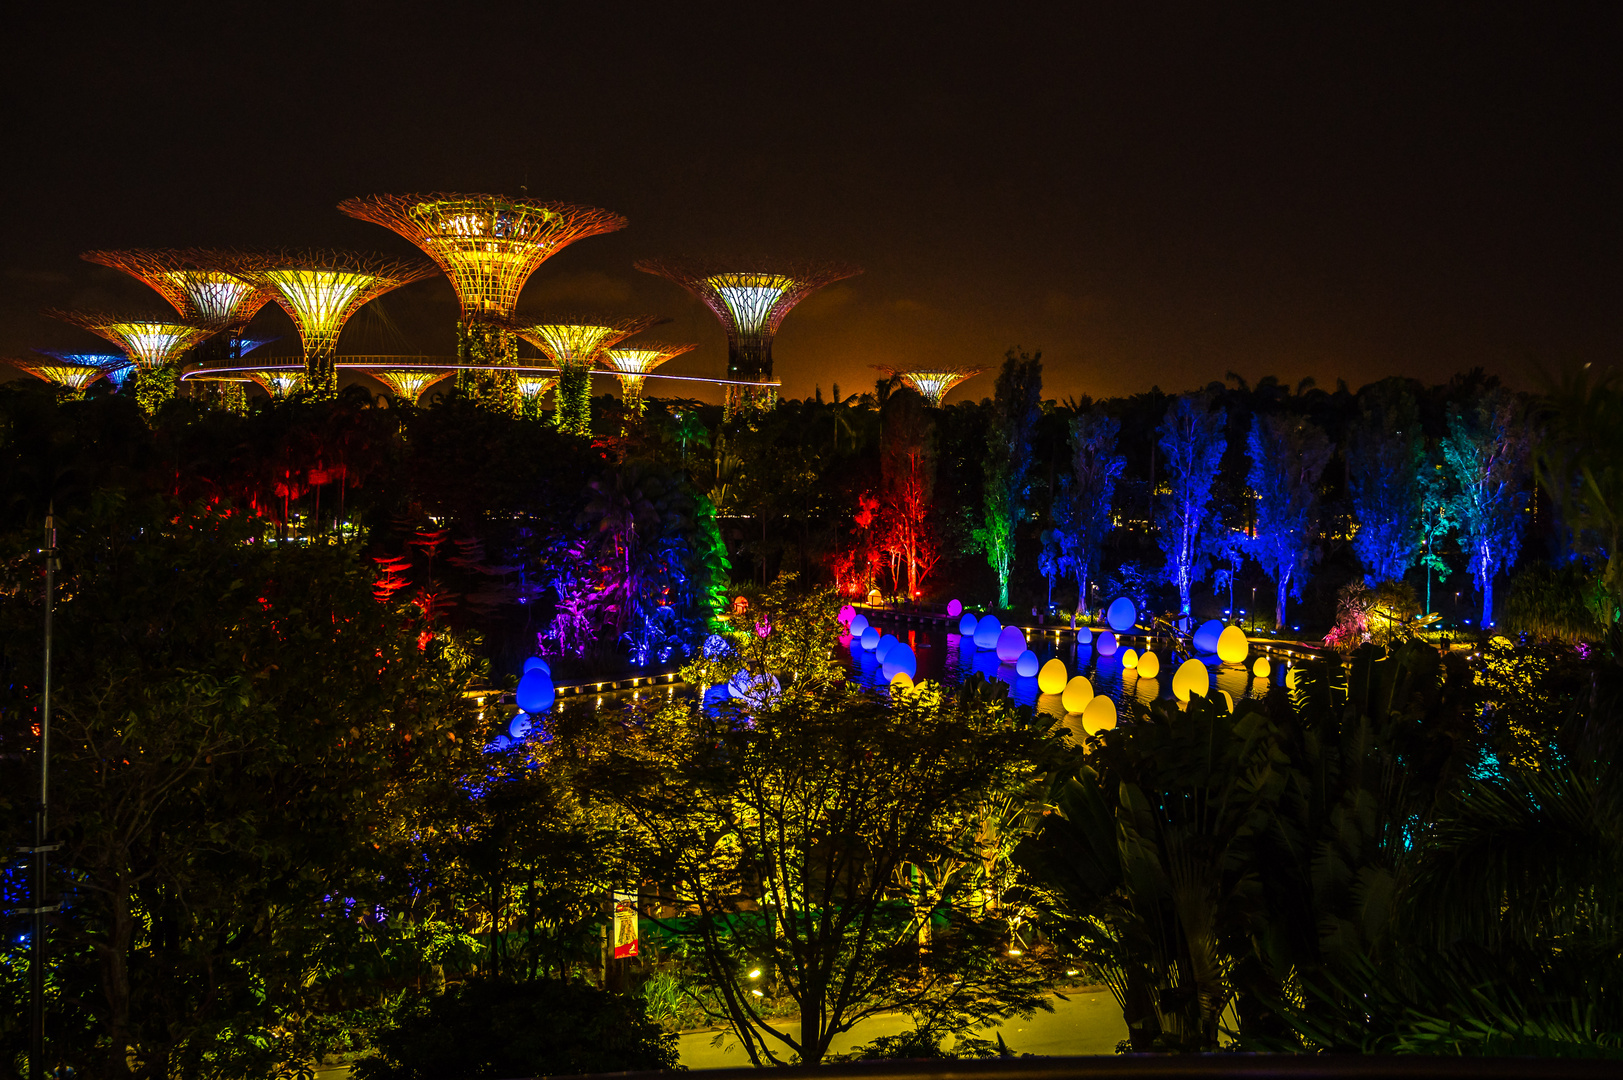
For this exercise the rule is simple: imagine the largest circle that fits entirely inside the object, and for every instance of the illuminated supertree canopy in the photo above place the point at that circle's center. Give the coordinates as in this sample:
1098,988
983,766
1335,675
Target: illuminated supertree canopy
631,363
201,285
488,245
532,389
149,342
574,345
277,382
407,383
933,383
72,374
750,298
320,290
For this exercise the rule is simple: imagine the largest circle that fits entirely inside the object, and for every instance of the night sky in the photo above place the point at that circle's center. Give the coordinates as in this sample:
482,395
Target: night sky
1148,194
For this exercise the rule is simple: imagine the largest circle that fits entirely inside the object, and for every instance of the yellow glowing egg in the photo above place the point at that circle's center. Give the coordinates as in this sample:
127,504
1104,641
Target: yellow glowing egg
1078,692
1149,666
1262,668
1232,645
1051,679
1291,677
1191,680
1129,659
1228,699
901,681
1100,715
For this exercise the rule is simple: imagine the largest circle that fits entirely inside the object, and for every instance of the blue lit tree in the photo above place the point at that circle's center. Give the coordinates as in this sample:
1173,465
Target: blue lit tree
1082,507
1192,444
1288,456
1386,463
1016,408
1487,454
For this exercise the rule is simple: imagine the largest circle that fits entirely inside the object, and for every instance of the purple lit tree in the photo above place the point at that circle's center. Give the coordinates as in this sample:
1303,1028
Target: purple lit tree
1192,444
1386,463
1082,507
1487,454
1288,456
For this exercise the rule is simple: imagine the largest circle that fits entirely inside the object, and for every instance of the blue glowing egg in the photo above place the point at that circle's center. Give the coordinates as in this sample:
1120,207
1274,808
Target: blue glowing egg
900,660
986,632
1206,637
887,642
535,663
870,639
966,625
535,691
1027,666
858,625
1122,614
1107,644
1084,636
1010,644
520,726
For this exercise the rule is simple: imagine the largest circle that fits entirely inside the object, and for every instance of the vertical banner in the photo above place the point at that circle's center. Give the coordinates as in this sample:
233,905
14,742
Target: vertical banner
625,924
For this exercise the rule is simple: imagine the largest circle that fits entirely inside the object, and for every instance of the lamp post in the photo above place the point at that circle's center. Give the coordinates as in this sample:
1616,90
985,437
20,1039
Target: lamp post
1253,609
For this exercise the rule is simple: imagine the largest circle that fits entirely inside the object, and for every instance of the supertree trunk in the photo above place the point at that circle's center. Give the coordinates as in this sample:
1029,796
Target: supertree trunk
486,343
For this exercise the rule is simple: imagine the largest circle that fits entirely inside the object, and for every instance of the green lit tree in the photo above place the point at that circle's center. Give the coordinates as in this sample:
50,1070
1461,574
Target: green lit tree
1016,408
1580,466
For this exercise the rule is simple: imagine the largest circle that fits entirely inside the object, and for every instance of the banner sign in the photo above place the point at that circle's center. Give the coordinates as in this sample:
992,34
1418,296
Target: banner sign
625,925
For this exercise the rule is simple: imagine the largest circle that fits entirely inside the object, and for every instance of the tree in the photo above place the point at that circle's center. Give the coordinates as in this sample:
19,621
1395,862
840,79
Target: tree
1386,463
811,839
907,471
1191,443
1487,451
1016,408
244,742
1083,505
1288,455
1580,466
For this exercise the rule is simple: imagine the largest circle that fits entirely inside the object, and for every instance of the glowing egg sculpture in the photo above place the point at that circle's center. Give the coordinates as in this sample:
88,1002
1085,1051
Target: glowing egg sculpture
1011,642
1206,637
901,681
1026,665
1084,636
1099,715
535,691
1122,614
1191,680
1262,668
520,726
954,609
1149,666
859,623
536,663
966,625
900,660
1078,692
870,639
1107,644
887,642
1051,679
986,632
847,613
1129,659
1232,645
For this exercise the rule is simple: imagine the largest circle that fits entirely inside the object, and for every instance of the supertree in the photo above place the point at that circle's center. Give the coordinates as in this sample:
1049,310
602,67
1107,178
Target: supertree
750,298
320,290
632,363
488,245
277,382
574,346
155,345
75,376
532,389
199,284
407,383
933,383
116,366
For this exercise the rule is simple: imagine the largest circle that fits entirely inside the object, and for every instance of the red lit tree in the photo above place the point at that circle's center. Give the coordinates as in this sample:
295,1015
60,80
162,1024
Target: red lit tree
907,477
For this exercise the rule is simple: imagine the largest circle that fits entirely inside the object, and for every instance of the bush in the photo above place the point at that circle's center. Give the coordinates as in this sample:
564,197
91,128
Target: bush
484,1028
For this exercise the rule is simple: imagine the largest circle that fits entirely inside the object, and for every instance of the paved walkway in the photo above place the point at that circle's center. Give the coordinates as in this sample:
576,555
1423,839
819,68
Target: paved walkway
1088,1022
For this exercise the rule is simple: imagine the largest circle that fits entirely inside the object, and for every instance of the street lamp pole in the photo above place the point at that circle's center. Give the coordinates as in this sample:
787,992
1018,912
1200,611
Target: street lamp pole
1253,609
36,944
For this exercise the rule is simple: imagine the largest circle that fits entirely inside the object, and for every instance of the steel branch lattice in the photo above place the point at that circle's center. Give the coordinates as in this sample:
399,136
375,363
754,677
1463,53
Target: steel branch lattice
150,343
632,363
71,374
934,383
407,383
201,285
488,245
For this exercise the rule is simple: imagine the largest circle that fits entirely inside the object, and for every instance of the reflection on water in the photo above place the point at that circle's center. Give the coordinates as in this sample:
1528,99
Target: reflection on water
950,658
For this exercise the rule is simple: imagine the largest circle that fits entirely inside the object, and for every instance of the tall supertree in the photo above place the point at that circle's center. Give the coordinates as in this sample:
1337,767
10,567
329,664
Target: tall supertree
934,383
155,345
750,298
488,245
632,363
199,284
574,345
74,376
320,290
407,384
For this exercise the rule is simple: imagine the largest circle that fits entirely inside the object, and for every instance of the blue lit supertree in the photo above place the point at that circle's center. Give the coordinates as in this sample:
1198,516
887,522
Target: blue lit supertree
1288,456
1192,444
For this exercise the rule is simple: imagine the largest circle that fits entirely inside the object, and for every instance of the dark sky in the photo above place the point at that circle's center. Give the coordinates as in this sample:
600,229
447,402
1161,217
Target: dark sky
1149,194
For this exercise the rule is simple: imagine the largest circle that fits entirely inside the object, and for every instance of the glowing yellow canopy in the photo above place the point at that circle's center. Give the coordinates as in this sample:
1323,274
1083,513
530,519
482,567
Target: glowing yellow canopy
150,343
62,372
277,384
578,343
199,284
535,386
631,362
933,383
407,383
